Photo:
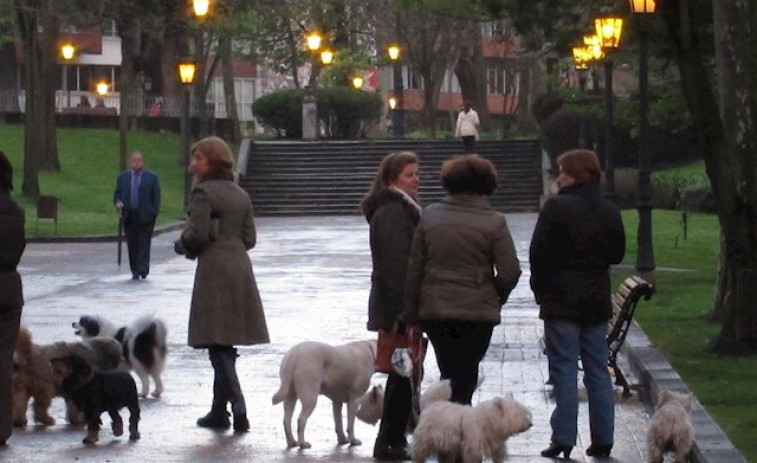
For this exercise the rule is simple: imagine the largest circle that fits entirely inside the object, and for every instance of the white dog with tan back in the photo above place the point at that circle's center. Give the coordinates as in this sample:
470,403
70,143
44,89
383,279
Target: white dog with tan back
341,373
671,427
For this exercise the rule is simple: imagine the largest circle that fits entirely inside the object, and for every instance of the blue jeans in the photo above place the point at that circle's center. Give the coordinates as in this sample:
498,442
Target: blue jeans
567,342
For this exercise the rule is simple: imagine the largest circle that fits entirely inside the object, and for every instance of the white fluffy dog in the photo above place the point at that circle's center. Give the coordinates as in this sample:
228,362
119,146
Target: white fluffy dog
144,345
671,428
341,373
450,430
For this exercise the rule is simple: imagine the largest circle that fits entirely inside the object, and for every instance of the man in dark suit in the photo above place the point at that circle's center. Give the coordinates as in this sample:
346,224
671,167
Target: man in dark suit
137,197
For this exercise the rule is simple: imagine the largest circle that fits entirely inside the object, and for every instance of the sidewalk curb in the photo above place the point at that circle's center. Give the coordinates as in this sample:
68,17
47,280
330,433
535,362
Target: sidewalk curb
102,238
656,374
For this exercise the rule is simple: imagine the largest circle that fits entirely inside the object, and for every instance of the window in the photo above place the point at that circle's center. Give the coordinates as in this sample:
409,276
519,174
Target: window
495,77
493,29
109,28
412,80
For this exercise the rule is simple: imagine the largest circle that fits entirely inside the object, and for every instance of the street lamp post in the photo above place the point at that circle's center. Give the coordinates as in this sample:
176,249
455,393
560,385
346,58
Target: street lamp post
67,51
645,262
398,115
608,27
187,75
309,105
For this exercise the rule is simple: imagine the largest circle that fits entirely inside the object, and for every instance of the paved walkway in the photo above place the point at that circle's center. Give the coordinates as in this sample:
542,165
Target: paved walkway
313,275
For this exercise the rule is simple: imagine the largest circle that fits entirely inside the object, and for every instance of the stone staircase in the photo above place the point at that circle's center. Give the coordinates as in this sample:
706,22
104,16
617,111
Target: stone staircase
330,178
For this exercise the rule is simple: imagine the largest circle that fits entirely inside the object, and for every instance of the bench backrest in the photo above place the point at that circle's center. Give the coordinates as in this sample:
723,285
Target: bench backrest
624,303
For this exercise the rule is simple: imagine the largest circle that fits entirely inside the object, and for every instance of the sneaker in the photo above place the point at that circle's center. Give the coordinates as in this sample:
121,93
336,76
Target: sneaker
390,453
215,420
241,424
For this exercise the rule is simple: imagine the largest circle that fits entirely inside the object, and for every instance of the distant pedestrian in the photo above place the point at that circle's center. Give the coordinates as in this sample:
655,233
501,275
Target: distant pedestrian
462,269
12,244
226,310
392,210
467,127
578,235
137,197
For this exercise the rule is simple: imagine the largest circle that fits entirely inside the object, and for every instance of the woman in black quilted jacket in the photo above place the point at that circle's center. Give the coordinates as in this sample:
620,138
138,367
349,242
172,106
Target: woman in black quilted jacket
578,235
392,211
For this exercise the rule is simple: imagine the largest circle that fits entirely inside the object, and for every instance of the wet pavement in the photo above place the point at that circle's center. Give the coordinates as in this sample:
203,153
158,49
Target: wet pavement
314,278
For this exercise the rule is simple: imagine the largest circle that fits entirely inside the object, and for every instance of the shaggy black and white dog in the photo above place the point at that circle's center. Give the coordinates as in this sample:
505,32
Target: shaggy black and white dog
143,341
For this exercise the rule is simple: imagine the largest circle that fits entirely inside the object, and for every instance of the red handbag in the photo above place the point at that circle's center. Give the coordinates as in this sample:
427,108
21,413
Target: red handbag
390,340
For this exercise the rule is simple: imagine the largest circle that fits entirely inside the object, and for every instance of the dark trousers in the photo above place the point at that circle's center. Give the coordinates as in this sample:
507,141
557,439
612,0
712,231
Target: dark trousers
398,403
226,387
10,318
459,346
138,237
469,144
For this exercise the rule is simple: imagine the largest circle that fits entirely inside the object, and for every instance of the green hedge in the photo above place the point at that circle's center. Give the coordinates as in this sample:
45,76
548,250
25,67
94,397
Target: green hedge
343,112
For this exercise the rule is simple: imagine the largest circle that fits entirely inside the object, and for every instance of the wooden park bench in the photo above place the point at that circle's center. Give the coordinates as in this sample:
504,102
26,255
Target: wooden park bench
624,302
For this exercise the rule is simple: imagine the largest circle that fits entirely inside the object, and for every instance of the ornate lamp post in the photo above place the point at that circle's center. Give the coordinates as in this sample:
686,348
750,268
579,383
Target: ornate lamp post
398,115
67,51
309,105
581,60
608,26
645,256
187,77
200,8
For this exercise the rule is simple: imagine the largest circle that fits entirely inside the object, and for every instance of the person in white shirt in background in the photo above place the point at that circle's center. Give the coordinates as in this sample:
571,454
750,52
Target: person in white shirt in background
467,127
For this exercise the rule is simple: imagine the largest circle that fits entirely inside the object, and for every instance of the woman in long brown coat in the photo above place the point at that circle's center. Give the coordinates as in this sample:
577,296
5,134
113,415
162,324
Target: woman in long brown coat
226,310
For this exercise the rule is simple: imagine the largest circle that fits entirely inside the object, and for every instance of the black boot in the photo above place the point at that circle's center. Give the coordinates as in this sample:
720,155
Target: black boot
241,424
216,419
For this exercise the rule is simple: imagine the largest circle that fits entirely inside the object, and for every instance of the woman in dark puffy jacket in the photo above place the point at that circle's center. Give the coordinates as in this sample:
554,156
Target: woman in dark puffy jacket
12,244
578,235
462,268
392,212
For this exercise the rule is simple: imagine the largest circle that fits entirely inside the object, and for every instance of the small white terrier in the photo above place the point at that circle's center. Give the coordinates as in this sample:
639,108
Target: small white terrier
449,430
671,428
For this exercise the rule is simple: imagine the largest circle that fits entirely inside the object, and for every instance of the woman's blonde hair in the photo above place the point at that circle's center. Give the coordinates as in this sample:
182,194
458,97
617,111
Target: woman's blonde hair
218,154
582,165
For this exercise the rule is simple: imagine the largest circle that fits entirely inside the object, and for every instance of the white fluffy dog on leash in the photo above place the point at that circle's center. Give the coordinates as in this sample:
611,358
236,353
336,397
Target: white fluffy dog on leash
671,427
449,430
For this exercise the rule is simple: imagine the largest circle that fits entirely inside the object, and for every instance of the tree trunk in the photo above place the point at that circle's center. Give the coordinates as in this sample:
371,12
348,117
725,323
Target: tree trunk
471,74
47,53
27,25
736,171
224,50
128,31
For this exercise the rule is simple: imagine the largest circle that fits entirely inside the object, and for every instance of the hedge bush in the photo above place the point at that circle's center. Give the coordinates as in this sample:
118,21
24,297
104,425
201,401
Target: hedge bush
343,112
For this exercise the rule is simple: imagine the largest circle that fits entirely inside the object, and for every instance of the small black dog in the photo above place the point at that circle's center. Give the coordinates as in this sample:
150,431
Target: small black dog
95,392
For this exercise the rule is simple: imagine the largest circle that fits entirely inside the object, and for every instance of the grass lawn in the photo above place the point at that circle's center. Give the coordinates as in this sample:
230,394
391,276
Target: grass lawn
675,321
85,184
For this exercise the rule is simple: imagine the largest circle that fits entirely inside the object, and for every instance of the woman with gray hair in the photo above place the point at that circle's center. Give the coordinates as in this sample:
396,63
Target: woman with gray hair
12,244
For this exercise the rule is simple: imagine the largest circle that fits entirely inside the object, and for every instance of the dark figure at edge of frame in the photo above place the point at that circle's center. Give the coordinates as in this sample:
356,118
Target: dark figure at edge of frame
12,244
463,266
137,197
578,235
226,310
467,127
392,210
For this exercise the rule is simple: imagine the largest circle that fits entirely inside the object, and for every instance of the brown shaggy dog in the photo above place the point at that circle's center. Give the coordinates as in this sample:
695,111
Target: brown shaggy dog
33,377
